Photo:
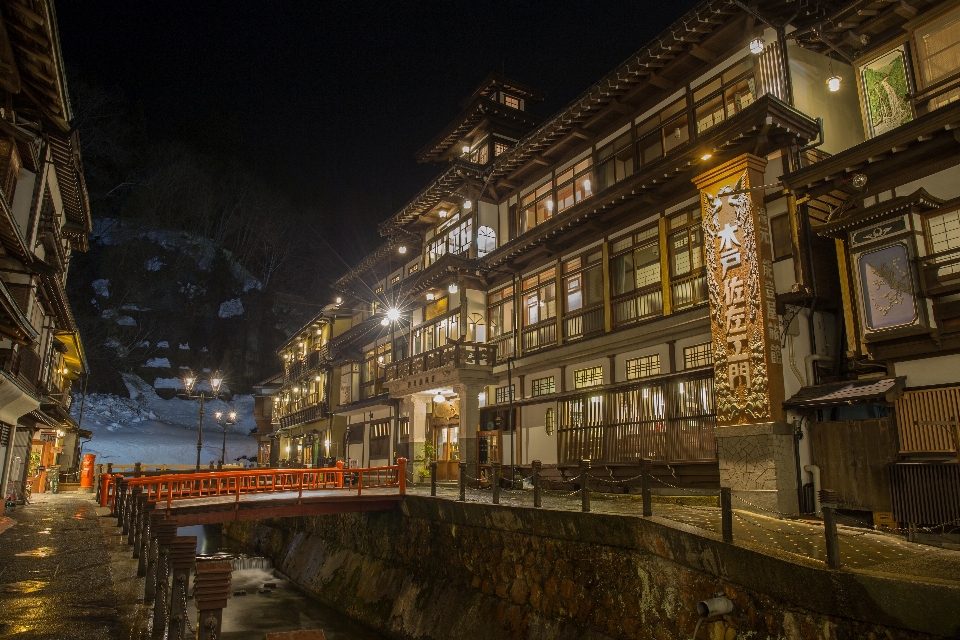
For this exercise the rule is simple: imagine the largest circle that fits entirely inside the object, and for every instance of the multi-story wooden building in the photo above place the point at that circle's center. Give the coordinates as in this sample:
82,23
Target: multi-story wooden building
733,256
44,217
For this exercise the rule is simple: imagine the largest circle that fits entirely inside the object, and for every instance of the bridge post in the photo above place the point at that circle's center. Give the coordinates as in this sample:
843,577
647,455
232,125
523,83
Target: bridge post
585,486
130,522
496,482
119,493
433,478
463,481
830,534
150,585
211,588
537,498
166,532
340,474
402,470
183,555
140,539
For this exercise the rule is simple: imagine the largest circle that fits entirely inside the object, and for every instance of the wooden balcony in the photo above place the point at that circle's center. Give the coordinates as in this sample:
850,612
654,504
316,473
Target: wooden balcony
583,324
311,413
540,336
637,306
454,354
22,364
306,365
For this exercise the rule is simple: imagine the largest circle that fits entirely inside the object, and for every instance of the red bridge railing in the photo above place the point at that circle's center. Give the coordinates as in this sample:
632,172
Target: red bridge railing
189,486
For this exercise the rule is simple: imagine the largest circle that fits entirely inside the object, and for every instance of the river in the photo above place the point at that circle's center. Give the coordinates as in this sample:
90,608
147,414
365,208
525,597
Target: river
283,608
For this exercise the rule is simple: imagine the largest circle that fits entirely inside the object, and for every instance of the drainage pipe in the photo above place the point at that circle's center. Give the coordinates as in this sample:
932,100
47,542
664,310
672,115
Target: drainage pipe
811,368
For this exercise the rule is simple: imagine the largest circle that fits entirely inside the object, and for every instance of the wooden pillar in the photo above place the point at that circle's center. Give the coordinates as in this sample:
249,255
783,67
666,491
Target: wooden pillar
607,308
613,368
561,300
748,367
665,268
849,317
210,593
563,379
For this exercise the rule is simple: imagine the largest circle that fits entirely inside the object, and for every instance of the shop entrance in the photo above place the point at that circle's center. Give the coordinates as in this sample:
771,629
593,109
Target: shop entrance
447,444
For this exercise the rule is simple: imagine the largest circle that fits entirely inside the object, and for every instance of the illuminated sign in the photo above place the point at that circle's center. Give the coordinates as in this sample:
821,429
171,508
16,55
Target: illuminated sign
743,308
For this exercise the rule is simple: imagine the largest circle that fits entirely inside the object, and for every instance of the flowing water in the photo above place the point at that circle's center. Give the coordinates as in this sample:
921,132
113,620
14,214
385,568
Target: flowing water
281,607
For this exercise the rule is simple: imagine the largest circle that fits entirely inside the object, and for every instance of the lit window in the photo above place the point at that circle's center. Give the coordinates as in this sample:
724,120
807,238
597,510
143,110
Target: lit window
499,148
543,386
512,102
698,355
548,421
413,268
643,367
502,394
590,377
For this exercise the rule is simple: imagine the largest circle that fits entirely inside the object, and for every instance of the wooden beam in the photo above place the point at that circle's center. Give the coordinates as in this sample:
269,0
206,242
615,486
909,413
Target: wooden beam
580,133
699,52
660,82
905,10
618,106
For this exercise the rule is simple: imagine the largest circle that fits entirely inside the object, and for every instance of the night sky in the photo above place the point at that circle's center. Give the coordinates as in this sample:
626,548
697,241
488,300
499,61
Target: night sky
331,100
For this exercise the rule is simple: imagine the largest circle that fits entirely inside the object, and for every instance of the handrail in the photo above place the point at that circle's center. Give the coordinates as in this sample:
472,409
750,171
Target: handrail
187,486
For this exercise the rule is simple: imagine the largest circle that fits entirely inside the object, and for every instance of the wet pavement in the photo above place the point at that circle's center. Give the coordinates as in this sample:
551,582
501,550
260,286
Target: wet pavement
861,548
54,575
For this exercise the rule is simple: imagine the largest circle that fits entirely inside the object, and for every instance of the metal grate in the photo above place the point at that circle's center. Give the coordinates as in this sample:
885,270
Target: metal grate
925,493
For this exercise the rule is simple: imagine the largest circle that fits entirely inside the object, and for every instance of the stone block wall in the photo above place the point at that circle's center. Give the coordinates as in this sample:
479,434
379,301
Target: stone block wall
436,569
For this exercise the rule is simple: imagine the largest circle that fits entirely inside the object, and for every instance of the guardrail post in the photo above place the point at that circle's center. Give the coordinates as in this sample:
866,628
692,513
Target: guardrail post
211,588
130,522
402,470
645,468
119,500
143,536
726,514
537,498
433,478
463,481
830,533
339,480
496,482
585,486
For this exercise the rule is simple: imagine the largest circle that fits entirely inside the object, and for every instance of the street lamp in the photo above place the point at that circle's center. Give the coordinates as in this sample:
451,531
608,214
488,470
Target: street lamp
231,419
189,383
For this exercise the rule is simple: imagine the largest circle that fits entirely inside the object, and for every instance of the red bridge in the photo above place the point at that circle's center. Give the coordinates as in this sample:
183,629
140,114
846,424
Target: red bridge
253,494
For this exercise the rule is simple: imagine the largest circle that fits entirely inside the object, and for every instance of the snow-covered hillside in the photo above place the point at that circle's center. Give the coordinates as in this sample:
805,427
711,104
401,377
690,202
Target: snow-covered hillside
146,428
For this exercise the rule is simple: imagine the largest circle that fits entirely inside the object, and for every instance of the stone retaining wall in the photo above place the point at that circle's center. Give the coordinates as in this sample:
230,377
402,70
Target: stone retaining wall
437,569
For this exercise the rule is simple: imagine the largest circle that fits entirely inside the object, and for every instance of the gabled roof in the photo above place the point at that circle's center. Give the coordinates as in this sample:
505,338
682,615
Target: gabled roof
856,217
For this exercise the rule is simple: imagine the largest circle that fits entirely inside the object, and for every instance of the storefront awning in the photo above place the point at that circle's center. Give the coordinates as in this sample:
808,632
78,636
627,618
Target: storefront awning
848,392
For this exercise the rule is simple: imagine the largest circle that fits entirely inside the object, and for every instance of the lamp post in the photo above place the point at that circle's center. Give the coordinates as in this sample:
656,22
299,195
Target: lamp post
231,419
189,383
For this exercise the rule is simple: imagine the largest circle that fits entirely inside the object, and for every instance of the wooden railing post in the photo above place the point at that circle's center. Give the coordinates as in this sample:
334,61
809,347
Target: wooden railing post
496,482
433,478
645,467
537,498
830,533
585,486
402,470
339,480
726,514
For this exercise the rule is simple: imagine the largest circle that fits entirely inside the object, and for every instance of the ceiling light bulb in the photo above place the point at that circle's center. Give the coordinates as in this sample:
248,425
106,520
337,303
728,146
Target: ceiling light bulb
439,399
318,378
452,288
339,300
467,204
443,214
402,249
431,296
465,148
756,45
393,315
706,156
833,83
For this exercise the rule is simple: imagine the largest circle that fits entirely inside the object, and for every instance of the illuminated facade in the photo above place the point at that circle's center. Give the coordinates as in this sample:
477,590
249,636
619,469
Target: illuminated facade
664,269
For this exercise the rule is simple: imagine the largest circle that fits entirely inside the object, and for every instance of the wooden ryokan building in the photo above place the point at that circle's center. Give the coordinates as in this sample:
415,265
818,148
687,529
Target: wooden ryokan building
735,255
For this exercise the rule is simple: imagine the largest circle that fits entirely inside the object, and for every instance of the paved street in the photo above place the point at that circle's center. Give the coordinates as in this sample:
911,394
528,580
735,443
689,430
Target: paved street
54,572
860,548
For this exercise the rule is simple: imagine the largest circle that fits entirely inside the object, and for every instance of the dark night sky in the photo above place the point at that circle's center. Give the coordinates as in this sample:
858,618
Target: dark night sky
333,99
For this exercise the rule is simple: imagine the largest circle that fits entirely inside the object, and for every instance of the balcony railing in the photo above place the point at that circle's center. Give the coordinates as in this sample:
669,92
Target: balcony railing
689,291
638,305
23,364
583,324
307,414
456,354
301,367
540,336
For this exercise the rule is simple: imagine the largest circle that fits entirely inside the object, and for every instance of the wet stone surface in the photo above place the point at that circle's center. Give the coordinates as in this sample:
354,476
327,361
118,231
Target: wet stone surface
54,575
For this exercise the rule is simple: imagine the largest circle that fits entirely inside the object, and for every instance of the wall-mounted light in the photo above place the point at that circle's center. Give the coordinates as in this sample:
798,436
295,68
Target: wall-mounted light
443,214
318,378
706,156
339,300
833,83
756,46
452,288
402,249
467,204
439,399
465,148
431,296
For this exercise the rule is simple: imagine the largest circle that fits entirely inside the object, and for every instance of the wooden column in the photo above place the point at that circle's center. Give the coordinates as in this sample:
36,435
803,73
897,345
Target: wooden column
665,268
561,300
607,308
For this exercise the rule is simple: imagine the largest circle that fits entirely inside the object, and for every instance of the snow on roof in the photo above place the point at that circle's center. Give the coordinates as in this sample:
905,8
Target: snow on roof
163,344
168,383
126,321
185,346
102,287
157,363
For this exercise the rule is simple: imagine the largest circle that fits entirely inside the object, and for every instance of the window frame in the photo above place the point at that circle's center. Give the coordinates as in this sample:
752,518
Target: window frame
588,377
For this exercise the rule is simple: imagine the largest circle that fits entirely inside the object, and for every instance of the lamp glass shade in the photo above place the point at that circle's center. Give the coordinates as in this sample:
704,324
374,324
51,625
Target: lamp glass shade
439,398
